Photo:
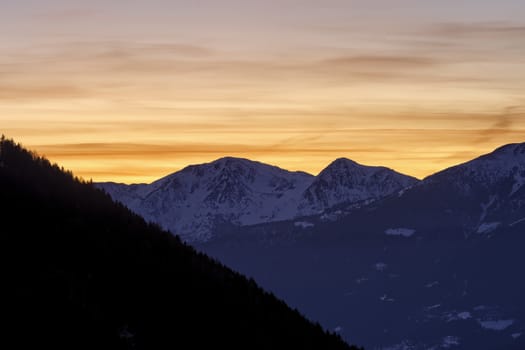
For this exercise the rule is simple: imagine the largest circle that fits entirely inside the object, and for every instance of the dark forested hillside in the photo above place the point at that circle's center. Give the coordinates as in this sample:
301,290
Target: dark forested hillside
80,271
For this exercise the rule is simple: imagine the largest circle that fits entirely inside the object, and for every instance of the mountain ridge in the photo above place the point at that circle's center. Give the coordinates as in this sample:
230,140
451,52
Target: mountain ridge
435,265
346,181
241,192
193,201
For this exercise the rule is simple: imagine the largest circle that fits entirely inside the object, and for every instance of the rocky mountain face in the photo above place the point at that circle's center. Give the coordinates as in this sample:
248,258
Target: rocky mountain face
196,201
490,187
345,181
477,196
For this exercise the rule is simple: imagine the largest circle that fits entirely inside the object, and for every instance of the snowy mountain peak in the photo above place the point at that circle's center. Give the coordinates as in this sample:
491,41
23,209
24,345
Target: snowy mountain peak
506,163
343,169
510,154
234,166
513,149
237,191
491,188
346,181
240,168
343,162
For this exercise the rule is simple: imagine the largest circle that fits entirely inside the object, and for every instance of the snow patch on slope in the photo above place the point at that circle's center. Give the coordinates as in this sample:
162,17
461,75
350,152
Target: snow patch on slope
380,266
487,227
405,232
450,341
303,224
496,325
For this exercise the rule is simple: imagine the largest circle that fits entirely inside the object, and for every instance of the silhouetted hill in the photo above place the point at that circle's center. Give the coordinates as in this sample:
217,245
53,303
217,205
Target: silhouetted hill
79,271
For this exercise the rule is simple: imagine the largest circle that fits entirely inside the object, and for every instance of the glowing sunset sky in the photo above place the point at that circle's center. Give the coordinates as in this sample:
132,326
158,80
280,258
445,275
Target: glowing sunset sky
130,91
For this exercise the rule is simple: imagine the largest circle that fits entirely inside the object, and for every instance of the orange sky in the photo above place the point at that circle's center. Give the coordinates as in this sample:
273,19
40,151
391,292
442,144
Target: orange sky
133,91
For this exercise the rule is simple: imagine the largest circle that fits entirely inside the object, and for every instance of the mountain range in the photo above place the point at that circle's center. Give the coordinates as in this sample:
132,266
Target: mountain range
196,201
388,261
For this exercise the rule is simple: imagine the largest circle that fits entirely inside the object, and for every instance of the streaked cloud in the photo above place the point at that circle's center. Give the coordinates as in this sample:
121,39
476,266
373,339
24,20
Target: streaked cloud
38,90
502,29
501,125
134,90
415,151
382,62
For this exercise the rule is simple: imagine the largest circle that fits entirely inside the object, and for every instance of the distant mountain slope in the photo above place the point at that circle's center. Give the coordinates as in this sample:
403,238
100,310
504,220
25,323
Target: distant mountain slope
477,196
197,200
80,272
492,185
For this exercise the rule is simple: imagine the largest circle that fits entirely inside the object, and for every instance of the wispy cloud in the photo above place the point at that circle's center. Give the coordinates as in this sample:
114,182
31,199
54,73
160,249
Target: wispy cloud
131,71
418,152
126,50
123,151
501,125
454,29
381,62
41,90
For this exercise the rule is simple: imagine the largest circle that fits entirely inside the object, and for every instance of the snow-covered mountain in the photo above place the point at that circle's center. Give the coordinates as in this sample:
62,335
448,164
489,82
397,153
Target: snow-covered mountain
234,191
482,194
505,164
193,201
345,181
432,264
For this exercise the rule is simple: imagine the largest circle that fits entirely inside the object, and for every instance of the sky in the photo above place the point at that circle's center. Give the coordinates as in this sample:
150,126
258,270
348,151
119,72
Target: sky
130,91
